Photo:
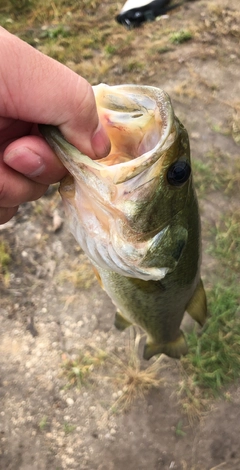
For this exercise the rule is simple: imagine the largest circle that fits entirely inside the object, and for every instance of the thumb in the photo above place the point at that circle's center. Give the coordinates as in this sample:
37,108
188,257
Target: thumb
38,89
82,126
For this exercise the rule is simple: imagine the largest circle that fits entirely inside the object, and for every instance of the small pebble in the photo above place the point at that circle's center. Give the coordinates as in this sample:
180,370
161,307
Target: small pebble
69,401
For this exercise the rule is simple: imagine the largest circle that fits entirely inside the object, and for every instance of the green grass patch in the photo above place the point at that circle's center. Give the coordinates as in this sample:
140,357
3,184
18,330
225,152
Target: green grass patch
43,424
180,36
110,49
216,172
213,360
68,428
55,32
5,260
133,66
214,357
179,431
163,50
79,371
226,241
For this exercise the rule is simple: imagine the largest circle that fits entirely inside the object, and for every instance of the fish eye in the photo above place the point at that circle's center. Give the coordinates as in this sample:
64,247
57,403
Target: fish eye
178,173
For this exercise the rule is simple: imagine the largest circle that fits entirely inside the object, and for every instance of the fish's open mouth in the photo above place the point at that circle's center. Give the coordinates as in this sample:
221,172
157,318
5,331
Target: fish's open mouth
141,126
135,121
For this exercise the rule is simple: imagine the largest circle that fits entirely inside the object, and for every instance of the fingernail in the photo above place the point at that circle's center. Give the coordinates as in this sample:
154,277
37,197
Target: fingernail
100,142
25,161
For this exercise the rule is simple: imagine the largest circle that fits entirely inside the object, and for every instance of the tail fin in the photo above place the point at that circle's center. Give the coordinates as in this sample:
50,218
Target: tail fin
174,349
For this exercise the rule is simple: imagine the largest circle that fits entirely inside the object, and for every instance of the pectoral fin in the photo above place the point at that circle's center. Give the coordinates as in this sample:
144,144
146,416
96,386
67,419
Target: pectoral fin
197,306
167,247
174,349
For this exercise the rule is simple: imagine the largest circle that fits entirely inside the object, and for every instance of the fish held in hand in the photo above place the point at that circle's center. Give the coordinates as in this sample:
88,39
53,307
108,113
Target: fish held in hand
135,214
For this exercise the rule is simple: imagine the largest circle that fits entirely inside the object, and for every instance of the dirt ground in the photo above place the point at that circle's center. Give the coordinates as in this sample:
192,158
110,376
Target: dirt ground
49,315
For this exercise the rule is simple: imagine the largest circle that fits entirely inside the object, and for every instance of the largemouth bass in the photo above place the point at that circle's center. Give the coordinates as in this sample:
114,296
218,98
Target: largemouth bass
135,214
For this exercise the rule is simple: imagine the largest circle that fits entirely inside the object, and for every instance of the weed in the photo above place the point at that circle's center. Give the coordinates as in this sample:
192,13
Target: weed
110,49
78,371
134,66
220,129
179,432
55,32
43,423
38,208
68,428
180,36
5,259
163,50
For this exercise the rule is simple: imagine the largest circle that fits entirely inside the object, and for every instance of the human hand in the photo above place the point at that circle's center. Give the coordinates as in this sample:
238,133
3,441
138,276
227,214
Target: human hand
36,89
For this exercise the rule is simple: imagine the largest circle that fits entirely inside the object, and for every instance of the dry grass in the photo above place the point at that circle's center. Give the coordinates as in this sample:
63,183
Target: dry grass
132,380
122,373
80,273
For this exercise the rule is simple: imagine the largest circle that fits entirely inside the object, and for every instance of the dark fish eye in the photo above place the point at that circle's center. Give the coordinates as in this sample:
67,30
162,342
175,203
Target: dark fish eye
178,173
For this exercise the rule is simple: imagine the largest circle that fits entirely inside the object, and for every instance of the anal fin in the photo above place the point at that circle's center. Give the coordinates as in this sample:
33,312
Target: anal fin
174,349
120,322
197,306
